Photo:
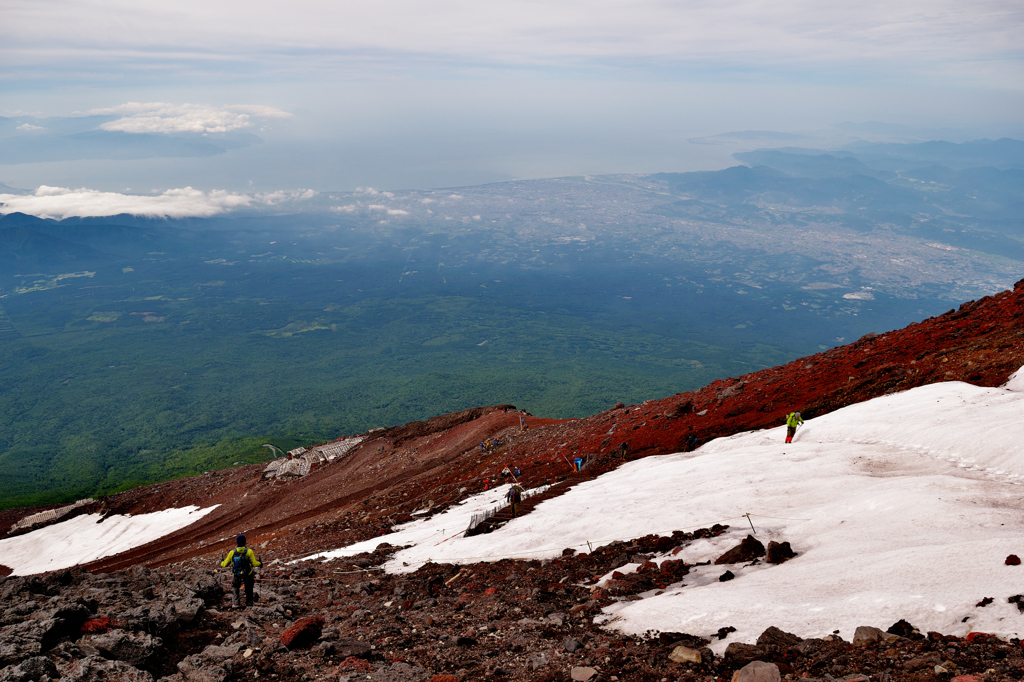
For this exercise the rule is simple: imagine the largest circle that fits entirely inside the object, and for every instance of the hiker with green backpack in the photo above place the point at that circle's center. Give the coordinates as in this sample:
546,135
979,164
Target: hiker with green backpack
242,561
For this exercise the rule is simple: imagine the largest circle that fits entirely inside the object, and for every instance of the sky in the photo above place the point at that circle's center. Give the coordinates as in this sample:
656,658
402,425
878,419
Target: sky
264,96
901,507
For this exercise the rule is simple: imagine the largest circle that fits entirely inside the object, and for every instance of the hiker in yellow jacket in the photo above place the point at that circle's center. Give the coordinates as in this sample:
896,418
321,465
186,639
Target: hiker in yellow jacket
242,561
793,420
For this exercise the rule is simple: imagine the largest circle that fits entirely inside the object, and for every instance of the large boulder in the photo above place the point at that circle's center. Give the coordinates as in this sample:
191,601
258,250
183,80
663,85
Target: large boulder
778,552
748,550
401,672
202,668
36,669
738,654
96,669
304,633
773,636
758,671
163,615
135,648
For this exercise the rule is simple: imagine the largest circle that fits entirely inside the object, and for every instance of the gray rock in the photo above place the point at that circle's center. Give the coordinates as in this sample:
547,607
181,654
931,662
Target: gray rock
20,641
739,654
537,659
582,674
557,618
808,646
684,654
135,648
773,636
865,634
221,652
401,672
757,671
199,668
572,645
95,669
351,647
202,585
36,669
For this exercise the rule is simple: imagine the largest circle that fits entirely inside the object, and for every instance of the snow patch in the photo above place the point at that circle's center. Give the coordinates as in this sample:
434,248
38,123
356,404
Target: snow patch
904,506
90,537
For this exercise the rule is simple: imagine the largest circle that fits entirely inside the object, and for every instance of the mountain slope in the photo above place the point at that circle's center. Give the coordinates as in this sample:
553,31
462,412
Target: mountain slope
433,464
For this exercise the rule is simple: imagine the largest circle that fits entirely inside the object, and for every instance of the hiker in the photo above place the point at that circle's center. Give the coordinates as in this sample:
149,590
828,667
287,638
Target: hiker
691,442
522,423
506,472
623,450
793,420
242,561
517,473
579,463
514,497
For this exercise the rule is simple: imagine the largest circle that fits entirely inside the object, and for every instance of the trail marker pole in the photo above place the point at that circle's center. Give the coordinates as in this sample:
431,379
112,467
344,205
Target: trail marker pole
747,515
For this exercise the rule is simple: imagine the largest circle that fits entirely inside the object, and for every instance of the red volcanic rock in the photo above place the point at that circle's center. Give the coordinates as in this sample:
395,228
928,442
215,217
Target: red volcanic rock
1013,560
748,550
777,552
304,633
97,625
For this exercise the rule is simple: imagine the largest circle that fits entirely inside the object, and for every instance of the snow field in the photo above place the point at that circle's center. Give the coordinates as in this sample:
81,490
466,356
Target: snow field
89,537
900,507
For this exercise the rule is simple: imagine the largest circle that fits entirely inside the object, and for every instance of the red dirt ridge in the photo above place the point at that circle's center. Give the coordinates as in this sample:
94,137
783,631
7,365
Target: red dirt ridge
432,464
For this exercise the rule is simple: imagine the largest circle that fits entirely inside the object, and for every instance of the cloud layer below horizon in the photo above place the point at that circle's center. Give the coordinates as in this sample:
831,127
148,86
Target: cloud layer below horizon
61,202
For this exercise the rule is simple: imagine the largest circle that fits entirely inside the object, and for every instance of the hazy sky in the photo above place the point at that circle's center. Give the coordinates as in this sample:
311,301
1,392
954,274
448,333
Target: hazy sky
397,93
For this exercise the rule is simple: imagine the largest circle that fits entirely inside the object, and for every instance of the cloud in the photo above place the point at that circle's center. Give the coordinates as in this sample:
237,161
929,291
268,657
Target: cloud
277,197
312,36
160,117
61,202
29,126
390,211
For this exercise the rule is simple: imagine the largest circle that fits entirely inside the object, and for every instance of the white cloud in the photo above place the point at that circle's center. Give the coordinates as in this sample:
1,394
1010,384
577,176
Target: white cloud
390,211
160,117
29,126
347,208
61,202
277,197
222,36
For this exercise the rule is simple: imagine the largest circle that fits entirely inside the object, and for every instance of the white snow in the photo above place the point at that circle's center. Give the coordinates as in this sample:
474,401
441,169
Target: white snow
89,537
900,507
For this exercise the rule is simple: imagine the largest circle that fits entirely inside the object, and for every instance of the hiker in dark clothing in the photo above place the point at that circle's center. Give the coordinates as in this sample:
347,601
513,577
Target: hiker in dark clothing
623,450
515,497
242,561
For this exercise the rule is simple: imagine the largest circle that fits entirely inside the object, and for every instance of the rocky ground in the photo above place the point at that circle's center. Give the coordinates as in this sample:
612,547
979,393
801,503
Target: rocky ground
347,620
158,611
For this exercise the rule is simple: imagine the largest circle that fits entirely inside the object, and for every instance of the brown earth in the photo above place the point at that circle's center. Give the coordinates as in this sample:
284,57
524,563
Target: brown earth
489,620
435,463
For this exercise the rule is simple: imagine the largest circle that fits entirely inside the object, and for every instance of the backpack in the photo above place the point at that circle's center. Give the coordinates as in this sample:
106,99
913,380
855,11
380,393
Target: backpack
240,564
